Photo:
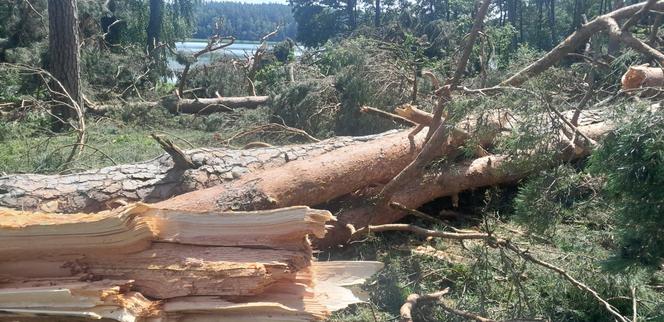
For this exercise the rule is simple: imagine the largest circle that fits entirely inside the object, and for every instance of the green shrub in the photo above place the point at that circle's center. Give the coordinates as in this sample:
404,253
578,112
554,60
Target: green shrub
552,197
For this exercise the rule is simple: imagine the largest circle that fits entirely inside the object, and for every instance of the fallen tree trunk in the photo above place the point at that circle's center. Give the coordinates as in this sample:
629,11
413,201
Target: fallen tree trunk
213,105
201,106
293,175
140,263
153,180
310,181
321,179
582,35
481,172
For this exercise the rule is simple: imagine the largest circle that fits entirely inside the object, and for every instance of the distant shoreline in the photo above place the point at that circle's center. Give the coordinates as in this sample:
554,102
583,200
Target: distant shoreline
201,40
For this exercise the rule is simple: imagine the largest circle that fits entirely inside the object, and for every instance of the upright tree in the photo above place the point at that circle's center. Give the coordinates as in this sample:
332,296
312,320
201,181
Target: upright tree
154,24
64,55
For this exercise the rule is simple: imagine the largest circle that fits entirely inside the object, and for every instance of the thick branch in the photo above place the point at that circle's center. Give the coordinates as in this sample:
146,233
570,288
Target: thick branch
628,39
576,39
181,161
412,300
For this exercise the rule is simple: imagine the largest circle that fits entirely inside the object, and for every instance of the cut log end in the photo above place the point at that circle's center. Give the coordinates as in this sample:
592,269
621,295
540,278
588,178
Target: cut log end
642,76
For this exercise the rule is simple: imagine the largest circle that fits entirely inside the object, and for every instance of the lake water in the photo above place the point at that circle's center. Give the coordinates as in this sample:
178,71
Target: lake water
237,50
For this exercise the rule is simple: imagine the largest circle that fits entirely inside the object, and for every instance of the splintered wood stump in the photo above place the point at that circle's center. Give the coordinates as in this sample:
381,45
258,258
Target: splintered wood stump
143,263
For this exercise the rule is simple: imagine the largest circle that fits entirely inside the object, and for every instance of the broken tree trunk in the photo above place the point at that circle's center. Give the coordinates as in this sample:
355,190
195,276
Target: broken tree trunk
140,263
470,174
213,105
642,76
581,36
266,177
153,180
308,182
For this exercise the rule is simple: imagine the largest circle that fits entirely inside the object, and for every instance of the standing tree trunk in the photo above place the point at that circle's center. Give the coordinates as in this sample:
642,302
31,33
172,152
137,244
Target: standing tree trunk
552,22
154,25
377,17
350,11
64,59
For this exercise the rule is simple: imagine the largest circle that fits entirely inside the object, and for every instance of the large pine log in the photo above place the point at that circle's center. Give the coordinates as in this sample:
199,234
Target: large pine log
140,263
153,180
308,181
471,174
321,179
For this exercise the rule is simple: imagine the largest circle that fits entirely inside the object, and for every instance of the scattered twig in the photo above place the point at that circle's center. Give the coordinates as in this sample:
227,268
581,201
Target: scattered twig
413,299
467,315
41,17
215,43
416,213
390,116
420,231
634,304
494,241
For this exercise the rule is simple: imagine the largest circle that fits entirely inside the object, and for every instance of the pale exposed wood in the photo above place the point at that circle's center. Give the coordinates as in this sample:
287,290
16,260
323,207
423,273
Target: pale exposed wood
185,266
642,76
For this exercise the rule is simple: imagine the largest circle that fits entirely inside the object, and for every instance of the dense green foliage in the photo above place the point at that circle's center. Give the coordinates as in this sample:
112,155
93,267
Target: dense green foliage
632,161
243,20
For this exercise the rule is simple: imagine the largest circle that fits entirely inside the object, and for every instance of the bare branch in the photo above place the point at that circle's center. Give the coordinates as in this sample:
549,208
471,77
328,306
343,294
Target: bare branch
413,299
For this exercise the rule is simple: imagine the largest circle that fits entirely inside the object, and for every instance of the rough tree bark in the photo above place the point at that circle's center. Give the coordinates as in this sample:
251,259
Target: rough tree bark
308,182
64,55
321,179
156,179
470,174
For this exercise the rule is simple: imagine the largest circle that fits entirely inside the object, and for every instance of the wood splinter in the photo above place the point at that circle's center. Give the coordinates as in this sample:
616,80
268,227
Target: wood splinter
181,161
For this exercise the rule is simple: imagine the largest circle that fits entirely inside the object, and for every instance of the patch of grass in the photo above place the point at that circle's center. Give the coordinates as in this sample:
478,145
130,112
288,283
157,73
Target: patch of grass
123,136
